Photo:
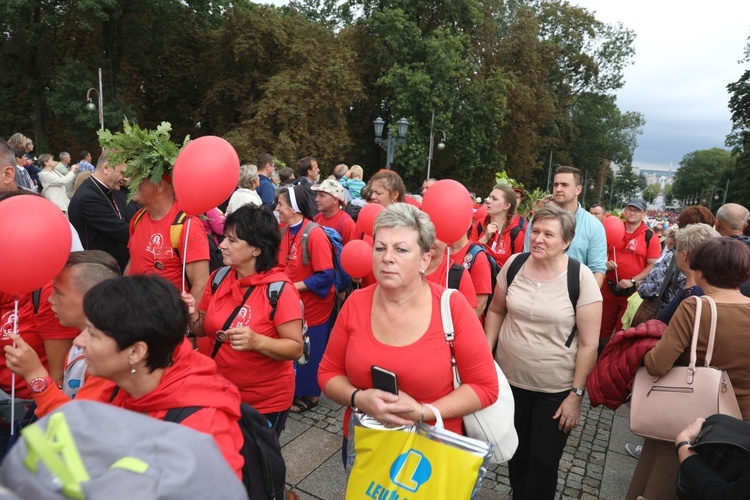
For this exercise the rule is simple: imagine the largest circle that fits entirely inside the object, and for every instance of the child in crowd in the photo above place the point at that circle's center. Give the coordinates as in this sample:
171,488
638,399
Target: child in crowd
352,181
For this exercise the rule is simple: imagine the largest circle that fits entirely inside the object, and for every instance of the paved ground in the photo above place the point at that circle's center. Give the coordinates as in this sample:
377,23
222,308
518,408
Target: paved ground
594,464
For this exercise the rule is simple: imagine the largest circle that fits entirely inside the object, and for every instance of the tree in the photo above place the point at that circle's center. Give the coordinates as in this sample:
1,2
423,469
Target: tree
739,138
701,172
626,183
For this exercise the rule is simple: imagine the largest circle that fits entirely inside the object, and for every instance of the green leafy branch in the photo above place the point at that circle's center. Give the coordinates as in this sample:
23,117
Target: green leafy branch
147,154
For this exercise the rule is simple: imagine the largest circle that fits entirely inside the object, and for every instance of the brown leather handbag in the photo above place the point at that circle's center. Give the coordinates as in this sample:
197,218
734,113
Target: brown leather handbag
663,406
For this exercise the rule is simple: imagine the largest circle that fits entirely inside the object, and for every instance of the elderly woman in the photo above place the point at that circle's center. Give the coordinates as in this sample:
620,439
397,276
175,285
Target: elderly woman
397,321
262,339
307,254
545,364
246,186
652,283
135,337
54,184
386,187
719,266
496,233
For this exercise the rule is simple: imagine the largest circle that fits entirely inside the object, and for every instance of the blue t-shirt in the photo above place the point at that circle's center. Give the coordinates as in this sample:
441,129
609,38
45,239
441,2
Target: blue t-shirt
265,190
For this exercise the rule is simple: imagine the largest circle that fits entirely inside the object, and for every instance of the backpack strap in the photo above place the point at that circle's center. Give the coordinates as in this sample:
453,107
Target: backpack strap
219,277
304,241
513,235
474,250
175,230
274,292
177,415
648,236
229,320
454,276
574,290
136,219
516,266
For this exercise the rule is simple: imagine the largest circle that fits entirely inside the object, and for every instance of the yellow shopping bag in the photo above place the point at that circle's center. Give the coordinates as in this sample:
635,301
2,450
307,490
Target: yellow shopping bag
400,465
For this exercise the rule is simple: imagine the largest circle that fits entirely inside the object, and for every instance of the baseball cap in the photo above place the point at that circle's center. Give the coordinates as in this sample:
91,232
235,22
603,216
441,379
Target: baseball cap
638,203
333,188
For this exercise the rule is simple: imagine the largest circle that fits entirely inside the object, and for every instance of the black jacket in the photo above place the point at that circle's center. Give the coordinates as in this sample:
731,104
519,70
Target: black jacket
94,217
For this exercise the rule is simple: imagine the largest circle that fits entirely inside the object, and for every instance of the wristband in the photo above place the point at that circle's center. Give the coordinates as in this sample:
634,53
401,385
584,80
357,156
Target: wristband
192,323
681,444
354,407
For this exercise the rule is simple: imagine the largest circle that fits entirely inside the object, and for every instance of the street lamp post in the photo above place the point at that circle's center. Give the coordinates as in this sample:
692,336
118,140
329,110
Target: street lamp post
91,106
440,146
390,143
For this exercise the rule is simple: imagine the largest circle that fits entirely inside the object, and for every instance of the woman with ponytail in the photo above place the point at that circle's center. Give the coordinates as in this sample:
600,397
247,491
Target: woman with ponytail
500,233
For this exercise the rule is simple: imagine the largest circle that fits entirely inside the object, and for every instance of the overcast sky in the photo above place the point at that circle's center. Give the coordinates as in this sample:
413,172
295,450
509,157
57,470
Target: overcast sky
687,52
686,55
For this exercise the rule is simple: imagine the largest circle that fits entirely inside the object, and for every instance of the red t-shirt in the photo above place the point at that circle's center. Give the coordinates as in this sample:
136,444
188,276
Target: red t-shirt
499,246
151,244
317,309
266,384
481,272
440,277
353,349
47,325
632,255
26,331
343,223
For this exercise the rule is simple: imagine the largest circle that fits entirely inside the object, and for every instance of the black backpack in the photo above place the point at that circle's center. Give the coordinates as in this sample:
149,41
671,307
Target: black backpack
264,472
454,275
574,286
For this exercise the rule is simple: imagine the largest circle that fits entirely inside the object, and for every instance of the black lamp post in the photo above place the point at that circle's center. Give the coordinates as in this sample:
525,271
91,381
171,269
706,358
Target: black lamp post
389,144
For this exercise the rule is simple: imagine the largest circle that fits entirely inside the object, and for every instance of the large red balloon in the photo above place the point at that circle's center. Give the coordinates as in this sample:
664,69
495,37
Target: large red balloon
451,209
367,216
205,174
35,243
356,258
615,230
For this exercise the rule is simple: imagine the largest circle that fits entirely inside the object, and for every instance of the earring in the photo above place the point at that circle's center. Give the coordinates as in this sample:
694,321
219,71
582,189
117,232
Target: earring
421,272
132,368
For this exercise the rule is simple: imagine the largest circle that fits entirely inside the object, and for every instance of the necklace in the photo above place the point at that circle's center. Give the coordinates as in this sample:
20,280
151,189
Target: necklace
111,200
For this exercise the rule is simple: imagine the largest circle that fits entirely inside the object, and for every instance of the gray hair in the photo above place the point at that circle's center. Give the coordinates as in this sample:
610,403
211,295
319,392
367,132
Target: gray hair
693,235
248,174
566,219
405,216
733,215
63,154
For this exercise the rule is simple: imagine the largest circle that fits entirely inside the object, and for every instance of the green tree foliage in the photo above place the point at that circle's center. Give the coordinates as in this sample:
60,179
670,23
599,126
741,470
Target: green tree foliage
701,172
739,138
627,183
509,81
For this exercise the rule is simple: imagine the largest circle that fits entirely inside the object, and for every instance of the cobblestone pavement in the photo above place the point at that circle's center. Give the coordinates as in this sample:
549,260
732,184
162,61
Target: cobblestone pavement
312,448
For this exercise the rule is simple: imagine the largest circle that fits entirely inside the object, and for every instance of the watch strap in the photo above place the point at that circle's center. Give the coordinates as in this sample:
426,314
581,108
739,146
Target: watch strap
681,444
578,391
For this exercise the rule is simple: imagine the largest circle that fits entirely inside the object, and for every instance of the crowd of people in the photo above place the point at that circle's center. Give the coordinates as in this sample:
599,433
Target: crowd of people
141,318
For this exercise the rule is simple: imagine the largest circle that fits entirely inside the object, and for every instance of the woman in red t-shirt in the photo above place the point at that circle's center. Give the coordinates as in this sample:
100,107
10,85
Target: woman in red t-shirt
396,325
495,232
262,340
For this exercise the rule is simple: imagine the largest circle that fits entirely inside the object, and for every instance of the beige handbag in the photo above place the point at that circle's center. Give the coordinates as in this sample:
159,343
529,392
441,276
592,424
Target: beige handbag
663,406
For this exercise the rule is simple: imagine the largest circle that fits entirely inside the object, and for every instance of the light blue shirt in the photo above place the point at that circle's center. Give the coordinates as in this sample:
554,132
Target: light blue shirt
589,245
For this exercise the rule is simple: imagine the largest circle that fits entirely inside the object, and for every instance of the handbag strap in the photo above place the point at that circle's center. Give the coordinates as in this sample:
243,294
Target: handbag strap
696,331
449,329
671,272
229,320
712,332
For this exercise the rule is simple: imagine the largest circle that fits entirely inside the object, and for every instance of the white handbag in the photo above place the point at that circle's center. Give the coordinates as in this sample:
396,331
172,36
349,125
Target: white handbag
493,424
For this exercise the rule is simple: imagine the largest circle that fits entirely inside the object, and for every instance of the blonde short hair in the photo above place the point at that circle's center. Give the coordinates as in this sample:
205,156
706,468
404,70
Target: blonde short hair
357,172
405,216
566,219
693,235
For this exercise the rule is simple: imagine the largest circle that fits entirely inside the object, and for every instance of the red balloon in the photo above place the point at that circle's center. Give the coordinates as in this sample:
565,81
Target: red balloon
615,230
356,258
32,227
367,216
412,201
205,174
451,209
